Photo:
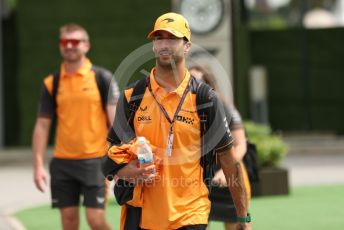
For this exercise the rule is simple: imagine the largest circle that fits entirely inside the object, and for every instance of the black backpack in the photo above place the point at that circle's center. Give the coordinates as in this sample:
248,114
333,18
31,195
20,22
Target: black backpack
251,162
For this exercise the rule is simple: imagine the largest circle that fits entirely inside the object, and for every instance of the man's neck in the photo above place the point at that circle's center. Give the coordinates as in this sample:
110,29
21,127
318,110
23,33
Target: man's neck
73,67
170,79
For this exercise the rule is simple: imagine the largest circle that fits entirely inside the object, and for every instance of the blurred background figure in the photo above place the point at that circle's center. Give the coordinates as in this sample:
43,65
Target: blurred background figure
77,95
222,208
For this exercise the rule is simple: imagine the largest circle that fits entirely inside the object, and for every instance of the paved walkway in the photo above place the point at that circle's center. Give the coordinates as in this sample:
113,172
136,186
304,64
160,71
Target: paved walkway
323,164
315,159
18,191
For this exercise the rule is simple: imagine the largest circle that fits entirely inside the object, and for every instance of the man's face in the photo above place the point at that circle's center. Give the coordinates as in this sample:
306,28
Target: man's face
169,50
73,46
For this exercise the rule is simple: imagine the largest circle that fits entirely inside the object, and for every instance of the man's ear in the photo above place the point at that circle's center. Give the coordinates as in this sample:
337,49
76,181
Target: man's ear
187,47
87,46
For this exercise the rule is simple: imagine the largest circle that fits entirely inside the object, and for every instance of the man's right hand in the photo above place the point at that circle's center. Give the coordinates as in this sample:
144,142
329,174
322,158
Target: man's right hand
136,175
40,177
220,179
39,144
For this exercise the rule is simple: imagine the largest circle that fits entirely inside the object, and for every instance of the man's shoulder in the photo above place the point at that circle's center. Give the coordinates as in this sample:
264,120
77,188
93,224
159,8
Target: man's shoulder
204,92
137,87
49,77
102,71
48,82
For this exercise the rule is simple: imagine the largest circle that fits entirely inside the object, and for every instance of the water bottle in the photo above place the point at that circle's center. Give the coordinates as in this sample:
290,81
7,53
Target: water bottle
144,153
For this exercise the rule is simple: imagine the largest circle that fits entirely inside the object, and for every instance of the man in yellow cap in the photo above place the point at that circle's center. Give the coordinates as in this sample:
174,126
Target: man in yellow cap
168,118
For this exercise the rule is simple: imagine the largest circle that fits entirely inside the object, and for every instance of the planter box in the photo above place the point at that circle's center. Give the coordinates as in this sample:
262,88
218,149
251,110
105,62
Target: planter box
273,181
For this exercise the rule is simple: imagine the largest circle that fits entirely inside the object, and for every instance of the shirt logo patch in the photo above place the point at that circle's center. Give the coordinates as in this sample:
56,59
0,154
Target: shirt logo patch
144,119
100,200
226,125
143,109
87,89
186,120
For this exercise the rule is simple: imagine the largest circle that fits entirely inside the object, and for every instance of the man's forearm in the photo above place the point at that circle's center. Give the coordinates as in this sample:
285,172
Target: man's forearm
235,180
239,143
39,140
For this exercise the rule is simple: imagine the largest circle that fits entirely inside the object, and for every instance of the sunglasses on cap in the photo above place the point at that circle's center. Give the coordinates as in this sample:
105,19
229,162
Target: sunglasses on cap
74,42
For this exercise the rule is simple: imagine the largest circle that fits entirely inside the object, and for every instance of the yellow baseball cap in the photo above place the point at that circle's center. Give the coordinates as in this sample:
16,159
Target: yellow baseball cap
173,23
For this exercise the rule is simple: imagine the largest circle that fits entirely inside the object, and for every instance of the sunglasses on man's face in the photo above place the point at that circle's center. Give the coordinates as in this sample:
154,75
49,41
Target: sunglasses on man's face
74,42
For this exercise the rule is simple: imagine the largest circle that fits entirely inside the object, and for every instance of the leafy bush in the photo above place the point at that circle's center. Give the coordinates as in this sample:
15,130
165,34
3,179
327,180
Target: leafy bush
270,147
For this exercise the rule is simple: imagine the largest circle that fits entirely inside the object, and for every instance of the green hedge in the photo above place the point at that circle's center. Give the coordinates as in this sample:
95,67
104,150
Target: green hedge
270,147
116,28
305,77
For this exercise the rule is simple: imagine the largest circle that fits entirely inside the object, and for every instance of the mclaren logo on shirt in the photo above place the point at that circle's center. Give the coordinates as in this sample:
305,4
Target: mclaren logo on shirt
186,120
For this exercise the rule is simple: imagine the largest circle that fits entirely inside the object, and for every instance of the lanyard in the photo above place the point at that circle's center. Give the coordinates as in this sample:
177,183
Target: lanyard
163,110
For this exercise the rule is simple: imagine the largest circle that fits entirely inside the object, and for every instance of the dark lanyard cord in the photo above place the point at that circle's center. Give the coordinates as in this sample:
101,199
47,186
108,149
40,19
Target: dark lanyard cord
163,110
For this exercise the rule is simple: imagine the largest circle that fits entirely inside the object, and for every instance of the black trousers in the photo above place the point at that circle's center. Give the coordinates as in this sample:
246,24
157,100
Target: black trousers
194,227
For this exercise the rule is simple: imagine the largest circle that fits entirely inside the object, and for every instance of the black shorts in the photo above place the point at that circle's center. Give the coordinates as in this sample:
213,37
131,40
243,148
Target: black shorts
72,178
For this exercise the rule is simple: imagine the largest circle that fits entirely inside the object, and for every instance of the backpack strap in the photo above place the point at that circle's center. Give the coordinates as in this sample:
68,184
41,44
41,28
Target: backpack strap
103,84
124,121
136,99
56,80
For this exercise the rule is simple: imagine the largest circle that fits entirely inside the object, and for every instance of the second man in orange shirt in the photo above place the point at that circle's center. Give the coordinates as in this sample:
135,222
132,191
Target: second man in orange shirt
83,99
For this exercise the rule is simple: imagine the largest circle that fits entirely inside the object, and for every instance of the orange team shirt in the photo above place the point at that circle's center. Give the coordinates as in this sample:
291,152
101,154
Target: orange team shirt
81,121
179,197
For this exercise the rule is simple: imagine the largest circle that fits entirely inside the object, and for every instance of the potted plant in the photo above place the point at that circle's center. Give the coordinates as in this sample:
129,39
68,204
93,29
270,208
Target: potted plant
273,180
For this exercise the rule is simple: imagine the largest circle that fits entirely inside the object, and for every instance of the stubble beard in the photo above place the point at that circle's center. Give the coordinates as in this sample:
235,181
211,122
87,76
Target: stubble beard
170,64
72,56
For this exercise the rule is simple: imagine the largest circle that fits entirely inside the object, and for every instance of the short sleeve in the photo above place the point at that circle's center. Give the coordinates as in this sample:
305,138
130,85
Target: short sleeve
46,103
113,93
218,135
235,121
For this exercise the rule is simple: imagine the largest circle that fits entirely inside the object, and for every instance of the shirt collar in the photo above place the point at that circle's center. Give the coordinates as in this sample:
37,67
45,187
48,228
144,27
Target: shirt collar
179,90
85,69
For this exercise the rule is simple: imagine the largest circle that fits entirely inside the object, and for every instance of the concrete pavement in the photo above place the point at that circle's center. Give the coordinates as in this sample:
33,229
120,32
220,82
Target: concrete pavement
18,191
315,159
